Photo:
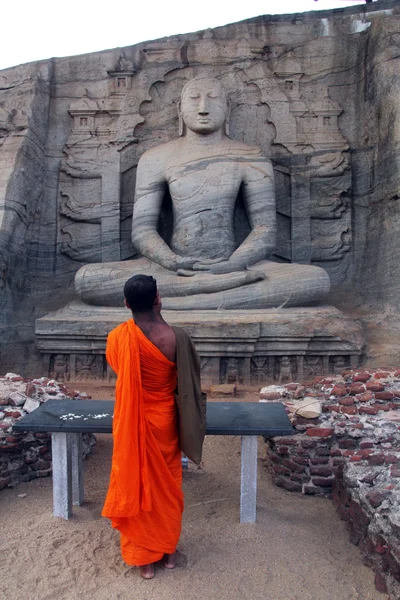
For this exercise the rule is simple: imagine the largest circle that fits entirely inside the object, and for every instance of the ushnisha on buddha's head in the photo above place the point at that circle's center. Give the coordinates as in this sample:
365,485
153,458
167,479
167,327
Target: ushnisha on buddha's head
203,107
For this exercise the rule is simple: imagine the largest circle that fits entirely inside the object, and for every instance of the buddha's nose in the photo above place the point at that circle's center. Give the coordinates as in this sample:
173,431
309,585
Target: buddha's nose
203,107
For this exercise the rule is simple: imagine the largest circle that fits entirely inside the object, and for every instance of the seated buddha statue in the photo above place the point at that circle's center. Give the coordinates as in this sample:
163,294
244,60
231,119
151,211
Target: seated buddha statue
203,267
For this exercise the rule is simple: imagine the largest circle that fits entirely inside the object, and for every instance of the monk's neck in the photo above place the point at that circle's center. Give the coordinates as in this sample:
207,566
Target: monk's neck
202,139
146,318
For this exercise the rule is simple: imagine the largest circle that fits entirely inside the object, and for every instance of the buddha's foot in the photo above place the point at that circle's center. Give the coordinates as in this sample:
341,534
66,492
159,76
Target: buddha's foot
147,571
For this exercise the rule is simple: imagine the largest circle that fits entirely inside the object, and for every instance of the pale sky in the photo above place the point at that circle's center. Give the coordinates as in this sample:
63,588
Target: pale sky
39,29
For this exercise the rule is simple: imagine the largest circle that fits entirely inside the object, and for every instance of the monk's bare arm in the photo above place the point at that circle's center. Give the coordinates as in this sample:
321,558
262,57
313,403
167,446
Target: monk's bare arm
150,188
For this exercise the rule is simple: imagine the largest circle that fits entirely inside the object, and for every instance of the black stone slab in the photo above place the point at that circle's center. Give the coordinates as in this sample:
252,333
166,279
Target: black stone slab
95,416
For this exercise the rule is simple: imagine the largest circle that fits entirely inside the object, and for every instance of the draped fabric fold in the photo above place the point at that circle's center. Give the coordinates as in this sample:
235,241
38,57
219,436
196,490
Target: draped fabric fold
144,500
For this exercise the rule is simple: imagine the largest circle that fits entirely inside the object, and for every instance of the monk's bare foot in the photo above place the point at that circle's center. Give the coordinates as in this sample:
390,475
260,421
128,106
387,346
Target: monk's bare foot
169,561
147,571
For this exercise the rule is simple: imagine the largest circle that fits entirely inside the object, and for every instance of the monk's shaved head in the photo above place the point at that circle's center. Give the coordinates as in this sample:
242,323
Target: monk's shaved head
140,293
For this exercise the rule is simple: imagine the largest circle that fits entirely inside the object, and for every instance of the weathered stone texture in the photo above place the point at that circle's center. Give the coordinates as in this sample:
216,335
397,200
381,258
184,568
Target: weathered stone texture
317,92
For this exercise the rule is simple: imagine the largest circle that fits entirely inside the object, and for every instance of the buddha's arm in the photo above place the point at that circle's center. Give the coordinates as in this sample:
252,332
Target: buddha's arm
259,197
150,187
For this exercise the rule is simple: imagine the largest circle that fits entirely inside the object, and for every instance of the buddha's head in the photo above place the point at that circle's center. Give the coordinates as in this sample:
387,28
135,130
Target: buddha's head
204,106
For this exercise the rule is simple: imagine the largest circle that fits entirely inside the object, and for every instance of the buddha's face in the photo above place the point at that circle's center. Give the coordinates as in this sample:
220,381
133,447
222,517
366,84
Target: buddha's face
204,106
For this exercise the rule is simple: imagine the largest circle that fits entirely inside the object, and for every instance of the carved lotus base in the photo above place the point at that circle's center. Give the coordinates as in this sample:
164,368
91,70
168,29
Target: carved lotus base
242,346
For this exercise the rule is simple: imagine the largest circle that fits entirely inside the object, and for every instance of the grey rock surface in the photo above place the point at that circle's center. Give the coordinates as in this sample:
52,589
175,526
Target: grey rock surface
318,93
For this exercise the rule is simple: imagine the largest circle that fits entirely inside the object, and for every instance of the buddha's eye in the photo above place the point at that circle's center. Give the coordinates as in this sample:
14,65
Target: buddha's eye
195,95
212,95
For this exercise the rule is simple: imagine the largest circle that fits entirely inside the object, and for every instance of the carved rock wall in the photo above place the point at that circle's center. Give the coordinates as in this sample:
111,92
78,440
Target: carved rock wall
318,93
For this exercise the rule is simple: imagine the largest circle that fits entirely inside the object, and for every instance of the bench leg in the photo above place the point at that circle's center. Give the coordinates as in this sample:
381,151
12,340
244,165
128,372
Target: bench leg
62,489
77,469
248,479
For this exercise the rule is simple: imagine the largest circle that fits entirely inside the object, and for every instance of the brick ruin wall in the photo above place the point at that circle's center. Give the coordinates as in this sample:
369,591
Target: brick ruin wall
350,453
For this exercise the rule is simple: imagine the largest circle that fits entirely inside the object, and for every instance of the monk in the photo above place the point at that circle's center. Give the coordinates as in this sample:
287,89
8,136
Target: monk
145,499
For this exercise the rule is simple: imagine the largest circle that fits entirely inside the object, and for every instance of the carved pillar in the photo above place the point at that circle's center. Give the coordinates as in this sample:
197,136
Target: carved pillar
110,217
301,219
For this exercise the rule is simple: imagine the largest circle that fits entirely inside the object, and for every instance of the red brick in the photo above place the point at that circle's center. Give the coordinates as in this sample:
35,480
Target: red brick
291,386
321,471
395,472
365,397
384,395
357,426
349,410
295,467
15,414
332,408
356,388
366,444
355,458
396,393
346,444
362,377
357,514
349,453
335,452
376,497
384,407
391,459
320,432
375,386
287,441
376,459
368,410
381,374
300,392
290,486
320,460
301,461
346,401
282,450
339,390
307,444
369,478
280,470
380,583
321,482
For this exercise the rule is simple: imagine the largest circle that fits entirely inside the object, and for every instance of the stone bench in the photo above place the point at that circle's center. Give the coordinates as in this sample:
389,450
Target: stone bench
67,420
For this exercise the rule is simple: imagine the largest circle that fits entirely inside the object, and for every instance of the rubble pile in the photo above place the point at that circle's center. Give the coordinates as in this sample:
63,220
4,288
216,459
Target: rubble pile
347,447
24,456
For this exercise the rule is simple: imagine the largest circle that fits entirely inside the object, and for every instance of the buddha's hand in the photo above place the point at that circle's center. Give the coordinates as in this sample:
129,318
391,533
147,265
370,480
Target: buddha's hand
184,263
219,267
186,266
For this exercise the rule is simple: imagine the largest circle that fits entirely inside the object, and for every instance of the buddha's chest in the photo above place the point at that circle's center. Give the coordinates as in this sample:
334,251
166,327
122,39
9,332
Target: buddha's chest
204,181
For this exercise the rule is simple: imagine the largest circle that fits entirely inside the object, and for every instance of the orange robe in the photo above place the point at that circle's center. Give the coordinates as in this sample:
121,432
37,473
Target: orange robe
144,500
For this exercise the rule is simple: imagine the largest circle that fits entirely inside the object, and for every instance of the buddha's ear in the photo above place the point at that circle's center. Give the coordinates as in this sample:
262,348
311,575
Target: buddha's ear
181,130
228,114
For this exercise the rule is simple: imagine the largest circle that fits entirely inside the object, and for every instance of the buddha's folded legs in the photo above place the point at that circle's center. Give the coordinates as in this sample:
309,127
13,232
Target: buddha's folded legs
284,285
103,284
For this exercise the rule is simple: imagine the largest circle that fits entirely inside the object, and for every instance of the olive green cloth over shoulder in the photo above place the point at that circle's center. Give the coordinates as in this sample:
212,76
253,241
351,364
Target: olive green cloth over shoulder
189,398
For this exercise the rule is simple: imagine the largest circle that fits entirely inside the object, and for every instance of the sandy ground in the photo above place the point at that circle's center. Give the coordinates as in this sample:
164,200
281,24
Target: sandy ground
297,550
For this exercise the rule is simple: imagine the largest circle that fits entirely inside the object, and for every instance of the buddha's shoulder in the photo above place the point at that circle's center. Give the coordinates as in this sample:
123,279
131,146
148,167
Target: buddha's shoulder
240,149
160,152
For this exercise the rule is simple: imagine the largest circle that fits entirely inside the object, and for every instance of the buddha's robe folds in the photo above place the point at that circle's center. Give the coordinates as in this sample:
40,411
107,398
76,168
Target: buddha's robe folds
144,499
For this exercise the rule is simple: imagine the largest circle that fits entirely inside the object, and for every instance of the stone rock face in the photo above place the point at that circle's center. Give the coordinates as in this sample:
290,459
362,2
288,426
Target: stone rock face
318,93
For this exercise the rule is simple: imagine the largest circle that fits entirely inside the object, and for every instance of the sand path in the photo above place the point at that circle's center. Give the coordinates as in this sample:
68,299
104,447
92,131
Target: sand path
297,550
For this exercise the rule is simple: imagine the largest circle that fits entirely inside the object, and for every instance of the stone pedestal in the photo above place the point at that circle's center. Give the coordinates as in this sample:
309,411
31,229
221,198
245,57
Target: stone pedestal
246,347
